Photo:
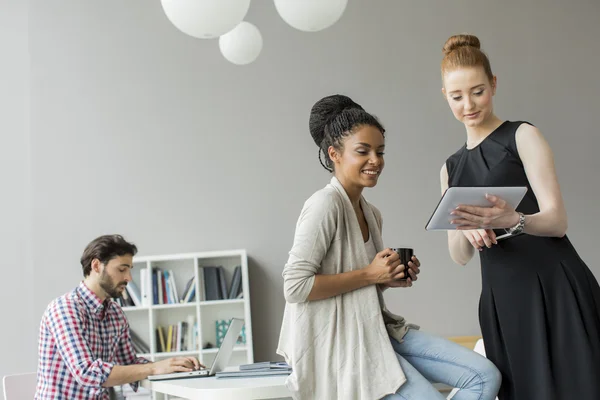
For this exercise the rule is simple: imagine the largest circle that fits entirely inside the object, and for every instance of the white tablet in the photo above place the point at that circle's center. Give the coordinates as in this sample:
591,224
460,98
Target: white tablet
473,196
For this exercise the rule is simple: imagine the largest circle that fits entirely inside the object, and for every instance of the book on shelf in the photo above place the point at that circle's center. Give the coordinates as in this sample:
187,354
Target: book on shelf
215,283
236,283
154,287
161,345
181,336
191,333
173,291
165,288
169,339
144,289
212,287
180,341
134,293
164,294
222,283
125,300
189,292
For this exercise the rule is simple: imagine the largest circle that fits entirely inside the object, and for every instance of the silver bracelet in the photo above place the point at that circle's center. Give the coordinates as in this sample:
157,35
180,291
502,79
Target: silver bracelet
518,228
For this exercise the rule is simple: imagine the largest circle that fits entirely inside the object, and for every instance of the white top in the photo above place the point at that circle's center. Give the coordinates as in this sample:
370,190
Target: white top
338,348
370,248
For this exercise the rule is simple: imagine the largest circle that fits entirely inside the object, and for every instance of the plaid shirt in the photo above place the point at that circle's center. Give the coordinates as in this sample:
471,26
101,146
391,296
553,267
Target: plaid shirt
81,338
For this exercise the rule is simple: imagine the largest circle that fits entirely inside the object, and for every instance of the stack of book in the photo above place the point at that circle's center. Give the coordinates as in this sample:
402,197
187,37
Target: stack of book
267,368
182,336
164,290
215,284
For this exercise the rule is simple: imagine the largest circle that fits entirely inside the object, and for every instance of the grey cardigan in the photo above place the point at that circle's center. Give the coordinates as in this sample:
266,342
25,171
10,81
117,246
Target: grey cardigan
339,347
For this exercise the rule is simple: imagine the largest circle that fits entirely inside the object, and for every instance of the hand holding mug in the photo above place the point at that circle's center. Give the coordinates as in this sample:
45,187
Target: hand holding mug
385,267
412,267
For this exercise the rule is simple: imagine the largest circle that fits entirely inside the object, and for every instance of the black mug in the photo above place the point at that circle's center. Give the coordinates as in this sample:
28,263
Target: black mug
405,254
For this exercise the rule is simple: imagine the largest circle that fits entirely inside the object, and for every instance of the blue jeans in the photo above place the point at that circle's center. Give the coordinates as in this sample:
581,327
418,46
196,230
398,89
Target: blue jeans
425,358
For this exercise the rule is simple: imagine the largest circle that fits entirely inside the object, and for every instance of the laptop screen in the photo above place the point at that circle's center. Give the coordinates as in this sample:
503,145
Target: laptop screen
226,349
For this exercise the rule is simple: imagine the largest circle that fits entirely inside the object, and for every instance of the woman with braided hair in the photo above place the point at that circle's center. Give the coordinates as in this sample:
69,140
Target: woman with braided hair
337,334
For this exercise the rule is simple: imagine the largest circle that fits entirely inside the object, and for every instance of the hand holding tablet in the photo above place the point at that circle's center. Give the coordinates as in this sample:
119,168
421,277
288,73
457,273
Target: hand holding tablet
474,202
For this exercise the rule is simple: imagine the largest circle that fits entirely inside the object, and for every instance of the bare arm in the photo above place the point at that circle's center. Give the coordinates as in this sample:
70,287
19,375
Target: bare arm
461,250
538,161
123,374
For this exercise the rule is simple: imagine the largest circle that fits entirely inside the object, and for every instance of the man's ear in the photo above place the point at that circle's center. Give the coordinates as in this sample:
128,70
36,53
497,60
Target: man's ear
96,265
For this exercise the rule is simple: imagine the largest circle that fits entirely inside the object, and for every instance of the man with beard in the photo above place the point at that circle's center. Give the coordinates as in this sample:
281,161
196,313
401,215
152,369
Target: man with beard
85,345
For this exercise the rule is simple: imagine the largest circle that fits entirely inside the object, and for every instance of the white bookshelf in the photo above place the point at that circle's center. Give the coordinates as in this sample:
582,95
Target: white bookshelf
145,319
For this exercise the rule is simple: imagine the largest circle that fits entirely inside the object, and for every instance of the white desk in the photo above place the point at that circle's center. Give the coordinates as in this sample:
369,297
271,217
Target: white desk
269,387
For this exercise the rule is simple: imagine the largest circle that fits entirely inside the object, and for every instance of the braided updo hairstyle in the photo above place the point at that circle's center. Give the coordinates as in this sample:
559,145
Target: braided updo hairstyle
332,119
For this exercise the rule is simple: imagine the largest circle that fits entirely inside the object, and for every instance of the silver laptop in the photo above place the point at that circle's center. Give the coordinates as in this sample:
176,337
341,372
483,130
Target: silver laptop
221,360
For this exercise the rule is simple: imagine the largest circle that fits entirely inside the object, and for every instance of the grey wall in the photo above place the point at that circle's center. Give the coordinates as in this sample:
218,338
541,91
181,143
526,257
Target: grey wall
138,129
18,324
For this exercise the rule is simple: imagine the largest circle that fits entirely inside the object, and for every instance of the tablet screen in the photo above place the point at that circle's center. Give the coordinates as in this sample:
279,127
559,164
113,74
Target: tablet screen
474,196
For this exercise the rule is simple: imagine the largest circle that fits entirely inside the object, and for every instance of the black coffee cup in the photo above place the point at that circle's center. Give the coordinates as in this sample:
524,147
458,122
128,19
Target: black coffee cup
405,254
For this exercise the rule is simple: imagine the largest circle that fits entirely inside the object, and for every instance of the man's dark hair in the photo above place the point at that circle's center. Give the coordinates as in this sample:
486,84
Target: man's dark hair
105,248
332,119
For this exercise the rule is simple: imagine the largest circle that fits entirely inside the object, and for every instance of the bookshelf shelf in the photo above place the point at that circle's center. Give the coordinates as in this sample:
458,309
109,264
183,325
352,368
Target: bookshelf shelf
209,284
135,308
168,306
221,302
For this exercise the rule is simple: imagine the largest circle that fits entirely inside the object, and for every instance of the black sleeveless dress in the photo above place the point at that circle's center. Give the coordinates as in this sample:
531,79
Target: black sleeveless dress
539,308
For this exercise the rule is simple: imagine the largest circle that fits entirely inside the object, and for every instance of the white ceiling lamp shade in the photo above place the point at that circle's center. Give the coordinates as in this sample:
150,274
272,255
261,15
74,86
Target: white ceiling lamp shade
310,15
242,45
205,19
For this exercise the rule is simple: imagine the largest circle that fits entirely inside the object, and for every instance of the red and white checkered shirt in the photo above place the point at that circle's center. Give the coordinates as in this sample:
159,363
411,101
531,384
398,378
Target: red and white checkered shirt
81,338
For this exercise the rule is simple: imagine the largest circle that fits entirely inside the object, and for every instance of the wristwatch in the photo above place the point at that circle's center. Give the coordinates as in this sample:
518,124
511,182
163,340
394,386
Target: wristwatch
518,228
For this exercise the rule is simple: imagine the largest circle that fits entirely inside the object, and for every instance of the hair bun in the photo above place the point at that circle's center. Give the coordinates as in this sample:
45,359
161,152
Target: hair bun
326,110
456,41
